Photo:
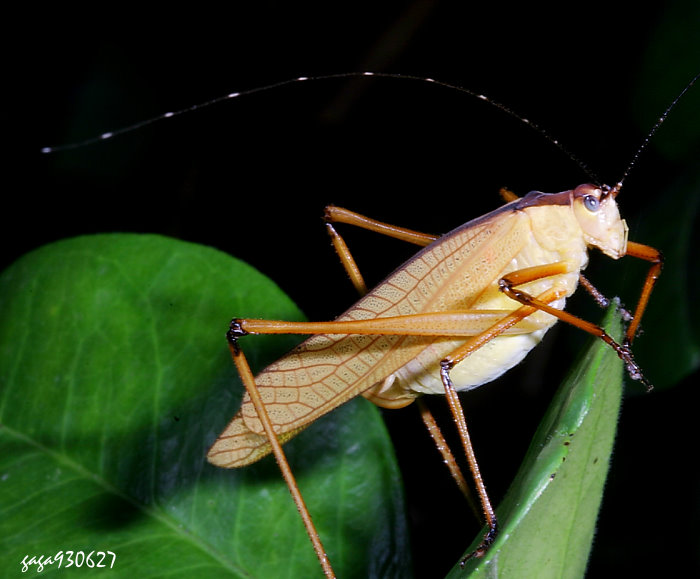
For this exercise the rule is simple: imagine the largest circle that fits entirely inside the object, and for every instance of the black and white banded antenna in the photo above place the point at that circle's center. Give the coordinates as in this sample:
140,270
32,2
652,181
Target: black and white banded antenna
171,114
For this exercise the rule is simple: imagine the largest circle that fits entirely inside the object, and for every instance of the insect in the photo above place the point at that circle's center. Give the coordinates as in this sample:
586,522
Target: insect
462,311
508,304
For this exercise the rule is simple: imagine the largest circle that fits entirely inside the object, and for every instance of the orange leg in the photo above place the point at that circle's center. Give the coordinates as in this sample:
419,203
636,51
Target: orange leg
654,256
249,382
508,286
447,456
446,366
335,214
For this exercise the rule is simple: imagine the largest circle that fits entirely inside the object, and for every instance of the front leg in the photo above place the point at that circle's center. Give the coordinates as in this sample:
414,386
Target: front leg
508,285
654,256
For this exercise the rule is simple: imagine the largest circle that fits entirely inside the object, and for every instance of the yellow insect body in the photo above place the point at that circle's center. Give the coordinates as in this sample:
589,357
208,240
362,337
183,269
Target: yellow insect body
458,274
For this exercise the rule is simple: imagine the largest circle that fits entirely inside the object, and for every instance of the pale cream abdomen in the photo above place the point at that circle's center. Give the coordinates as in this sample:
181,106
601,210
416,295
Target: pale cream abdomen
422,375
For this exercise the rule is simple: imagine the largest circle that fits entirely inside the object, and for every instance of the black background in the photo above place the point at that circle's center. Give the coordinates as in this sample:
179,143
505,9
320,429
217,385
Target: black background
252,176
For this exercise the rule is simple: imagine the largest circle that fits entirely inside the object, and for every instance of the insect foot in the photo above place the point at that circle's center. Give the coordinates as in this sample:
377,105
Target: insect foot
480,551
235,331
633,369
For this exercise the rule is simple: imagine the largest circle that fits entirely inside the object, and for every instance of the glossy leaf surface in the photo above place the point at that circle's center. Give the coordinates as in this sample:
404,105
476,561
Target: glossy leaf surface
115,380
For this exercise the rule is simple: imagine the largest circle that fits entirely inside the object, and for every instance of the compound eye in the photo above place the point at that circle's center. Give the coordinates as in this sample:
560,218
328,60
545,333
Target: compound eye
591,203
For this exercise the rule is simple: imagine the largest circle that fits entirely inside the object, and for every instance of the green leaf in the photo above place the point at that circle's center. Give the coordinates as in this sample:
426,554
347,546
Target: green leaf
115,380
547,519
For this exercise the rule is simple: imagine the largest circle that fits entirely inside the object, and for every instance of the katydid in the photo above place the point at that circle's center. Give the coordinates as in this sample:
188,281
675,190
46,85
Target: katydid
461,312
466,308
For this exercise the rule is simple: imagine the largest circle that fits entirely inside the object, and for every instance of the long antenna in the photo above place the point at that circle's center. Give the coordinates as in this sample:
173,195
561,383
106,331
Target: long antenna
395,76
232,95
652,132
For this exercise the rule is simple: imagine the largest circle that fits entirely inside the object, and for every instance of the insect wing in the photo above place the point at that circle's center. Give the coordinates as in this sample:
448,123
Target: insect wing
457,272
